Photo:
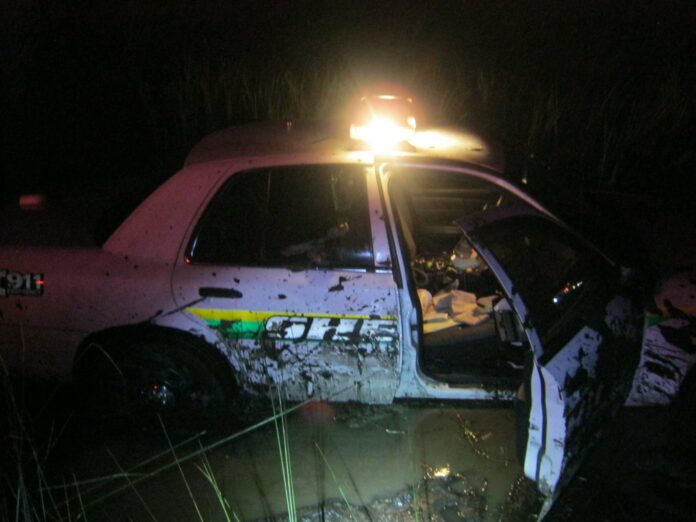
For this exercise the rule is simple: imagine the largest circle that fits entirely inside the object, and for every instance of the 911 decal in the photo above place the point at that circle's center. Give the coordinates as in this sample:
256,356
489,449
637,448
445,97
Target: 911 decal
21,283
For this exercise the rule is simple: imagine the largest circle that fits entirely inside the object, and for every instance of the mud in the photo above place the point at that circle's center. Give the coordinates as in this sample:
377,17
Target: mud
401,462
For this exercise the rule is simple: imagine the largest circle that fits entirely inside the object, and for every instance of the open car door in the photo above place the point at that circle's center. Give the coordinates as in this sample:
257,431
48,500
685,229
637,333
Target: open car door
581,331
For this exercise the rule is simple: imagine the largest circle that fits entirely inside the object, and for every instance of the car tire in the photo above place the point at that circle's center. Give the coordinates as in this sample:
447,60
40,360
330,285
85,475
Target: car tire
136,376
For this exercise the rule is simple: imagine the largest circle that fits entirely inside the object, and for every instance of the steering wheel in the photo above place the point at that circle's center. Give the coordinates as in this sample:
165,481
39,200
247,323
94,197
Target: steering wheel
421,277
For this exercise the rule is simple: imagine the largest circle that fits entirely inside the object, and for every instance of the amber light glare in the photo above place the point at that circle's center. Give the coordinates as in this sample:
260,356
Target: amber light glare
384,122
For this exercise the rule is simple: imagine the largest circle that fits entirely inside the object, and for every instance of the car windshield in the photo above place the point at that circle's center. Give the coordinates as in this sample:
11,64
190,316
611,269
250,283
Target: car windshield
428,203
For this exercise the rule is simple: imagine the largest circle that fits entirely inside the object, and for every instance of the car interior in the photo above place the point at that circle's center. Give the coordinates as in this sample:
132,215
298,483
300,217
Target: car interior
469,334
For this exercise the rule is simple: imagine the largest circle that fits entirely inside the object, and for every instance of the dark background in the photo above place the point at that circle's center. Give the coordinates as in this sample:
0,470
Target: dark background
586,97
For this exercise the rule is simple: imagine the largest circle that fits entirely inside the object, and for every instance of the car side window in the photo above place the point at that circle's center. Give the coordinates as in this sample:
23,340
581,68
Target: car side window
562,282
231,228
297,216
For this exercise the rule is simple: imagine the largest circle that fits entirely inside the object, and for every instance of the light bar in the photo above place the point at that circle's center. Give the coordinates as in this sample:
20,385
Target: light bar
384,121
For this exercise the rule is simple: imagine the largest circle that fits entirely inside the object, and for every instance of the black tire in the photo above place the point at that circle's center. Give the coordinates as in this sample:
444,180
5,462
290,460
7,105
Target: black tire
136,375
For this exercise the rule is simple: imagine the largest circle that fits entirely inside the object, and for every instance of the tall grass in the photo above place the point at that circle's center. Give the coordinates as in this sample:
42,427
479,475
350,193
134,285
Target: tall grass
207,471
21,466
26,493
23,456
284,455
337,483
591,99
624,136
96,493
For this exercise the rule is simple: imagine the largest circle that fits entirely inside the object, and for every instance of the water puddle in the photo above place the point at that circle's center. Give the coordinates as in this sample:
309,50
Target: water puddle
342,462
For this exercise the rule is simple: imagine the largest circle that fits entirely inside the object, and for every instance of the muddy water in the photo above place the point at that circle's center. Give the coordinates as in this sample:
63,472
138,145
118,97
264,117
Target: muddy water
402,462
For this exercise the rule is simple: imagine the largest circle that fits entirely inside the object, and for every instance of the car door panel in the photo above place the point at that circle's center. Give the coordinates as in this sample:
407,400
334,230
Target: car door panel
584,353
329,334
283,264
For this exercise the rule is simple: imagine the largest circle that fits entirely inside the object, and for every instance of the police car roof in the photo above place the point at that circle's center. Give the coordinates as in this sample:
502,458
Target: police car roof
279,138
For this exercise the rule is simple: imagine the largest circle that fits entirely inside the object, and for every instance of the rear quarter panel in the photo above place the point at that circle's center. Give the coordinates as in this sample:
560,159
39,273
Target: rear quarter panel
85,290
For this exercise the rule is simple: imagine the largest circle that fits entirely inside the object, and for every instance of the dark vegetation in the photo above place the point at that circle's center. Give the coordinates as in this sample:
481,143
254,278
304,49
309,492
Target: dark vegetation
585,97
592,102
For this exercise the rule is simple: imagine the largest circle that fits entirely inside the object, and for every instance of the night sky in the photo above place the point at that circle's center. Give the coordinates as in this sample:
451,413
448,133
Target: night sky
584,96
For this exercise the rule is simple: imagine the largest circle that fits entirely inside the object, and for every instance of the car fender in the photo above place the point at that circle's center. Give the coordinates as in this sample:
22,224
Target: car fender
669,344
183,321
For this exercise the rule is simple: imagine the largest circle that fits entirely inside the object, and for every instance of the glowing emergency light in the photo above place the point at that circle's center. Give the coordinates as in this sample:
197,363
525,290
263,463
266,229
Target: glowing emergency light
384,121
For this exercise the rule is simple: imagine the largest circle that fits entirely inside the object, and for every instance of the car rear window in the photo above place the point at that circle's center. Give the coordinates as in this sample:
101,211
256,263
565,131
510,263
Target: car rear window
296,216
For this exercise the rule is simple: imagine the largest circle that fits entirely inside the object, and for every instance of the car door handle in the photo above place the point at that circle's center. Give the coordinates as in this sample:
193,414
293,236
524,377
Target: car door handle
225,293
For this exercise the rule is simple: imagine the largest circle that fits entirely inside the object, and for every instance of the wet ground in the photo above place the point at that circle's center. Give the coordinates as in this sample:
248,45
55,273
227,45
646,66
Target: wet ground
409,461
405,462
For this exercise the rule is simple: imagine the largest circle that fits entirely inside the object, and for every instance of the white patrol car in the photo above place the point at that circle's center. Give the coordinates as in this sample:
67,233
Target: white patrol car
293,258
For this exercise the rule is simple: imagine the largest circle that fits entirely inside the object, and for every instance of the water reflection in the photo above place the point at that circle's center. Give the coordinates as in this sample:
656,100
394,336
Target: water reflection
402,462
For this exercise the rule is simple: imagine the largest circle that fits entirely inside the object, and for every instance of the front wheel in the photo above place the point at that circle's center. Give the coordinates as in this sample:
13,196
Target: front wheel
137,376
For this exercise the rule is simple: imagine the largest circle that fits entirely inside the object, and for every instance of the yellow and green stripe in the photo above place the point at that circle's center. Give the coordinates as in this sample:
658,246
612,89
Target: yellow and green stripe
249,324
